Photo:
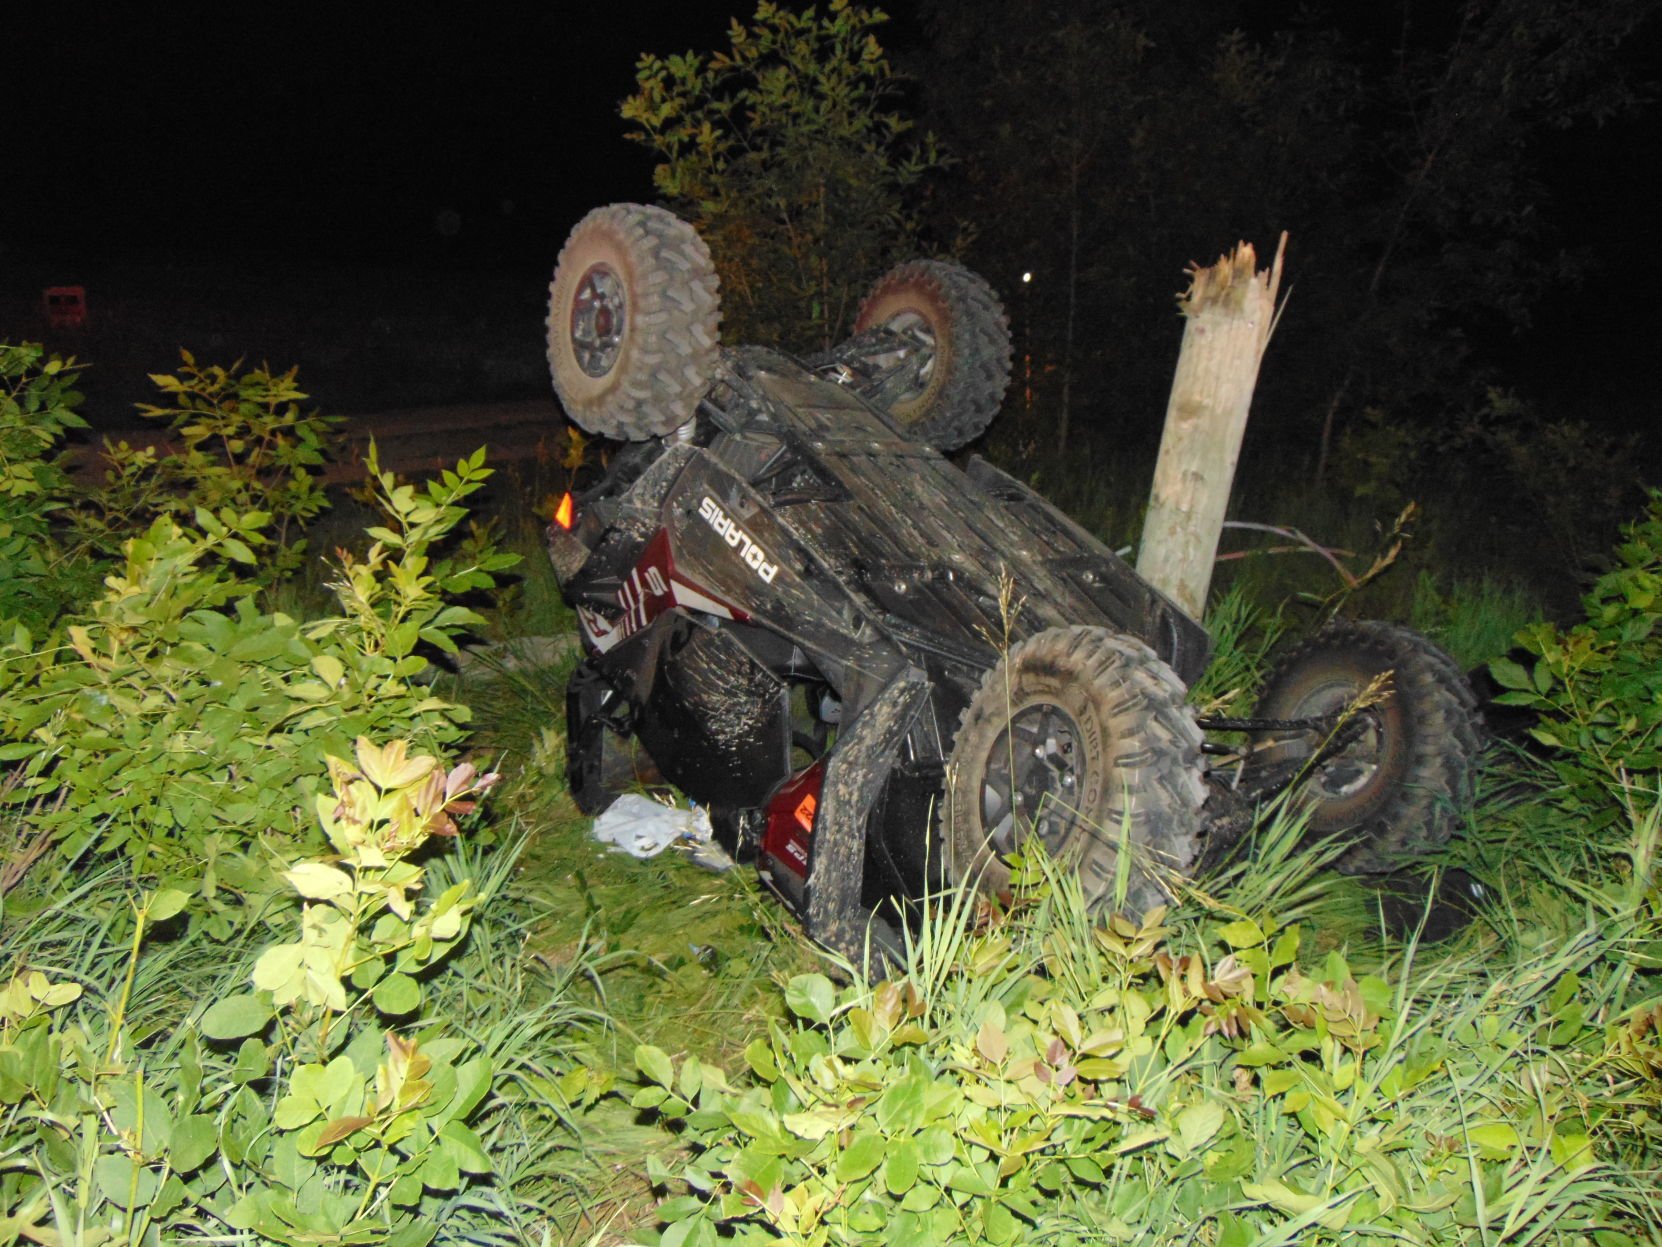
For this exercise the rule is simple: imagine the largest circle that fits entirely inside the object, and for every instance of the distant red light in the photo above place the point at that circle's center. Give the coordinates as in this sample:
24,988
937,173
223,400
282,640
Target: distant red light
562,513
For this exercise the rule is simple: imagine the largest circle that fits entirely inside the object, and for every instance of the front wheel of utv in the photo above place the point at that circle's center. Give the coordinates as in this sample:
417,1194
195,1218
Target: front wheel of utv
1400,774
950,359
632,322
1079,738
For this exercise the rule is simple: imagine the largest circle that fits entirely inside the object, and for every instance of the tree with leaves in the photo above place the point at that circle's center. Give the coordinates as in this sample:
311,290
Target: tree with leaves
790,153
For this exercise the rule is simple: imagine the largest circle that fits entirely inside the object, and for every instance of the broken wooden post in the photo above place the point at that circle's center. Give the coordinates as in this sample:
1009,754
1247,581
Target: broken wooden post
1230,310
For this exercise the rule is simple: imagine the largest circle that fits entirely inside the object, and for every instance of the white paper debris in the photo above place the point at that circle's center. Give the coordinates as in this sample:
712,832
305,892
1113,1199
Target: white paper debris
643,828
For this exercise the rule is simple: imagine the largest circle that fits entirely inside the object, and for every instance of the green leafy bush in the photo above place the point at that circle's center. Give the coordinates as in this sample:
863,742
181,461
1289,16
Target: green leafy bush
788,153
37,407
243,443
178,725
1598,685
213,1059
1040,1079
290,1112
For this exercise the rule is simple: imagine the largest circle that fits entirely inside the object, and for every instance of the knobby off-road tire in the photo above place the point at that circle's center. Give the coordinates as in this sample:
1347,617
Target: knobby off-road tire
633,320
1403,783
1089,729
958,339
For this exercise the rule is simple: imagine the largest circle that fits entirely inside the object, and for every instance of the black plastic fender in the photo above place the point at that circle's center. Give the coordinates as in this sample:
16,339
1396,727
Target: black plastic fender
859,767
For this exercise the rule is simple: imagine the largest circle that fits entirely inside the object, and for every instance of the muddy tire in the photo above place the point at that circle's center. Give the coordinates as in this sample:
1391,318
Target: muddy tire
1081,738
1403,783
955,357
632,322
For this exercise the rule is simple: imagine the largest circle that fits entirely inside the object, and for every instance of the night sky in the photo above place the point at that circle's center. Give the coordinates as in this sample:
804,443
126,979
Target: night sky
258,139
346,131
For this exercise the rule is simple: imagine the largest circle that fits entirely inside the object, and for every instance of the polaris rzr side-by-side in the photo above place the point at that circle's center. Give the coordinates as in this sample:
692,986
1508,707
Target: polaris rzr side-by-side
882,672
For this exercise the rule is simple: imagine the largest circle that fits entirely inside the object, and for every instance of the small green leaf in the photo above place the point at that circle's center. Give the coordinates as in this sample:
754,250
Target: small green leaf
396,995
253,1061
1542,677
811,996
195,1138
125,1182
1574,1151
318,882
329,669
1260,1053
236,1017
1000,1225
473,1083
648,1097
863,1154
464,1148
1242,933
691,1079
679,1208
1197,1123
901,1171
165,904
440,1173
277,969
1494,1140
654,1062
758,1054
295,1110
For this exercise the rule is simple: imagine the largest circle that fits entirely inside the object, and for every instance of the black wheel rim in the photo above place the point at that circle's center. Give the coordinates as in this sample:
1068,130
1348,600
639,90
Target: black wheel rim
1346,771
911,359
599,317
1031,779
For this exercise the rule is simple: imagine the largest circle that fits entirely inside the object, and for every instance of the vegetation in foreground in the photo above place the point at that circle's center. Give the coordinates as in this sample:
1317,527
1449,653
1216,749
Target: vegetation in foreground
267,978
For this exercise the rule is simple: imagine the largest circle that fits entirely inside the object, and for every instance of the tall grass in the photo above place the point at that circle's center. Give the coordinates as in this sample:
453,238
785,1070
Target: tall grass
1489,1092
1474,619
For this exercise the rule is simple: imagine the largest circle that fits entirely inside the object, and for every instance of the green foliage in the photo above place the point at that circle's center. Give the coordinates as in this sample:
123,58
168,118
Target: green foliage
787,152
162,1075
38,404
1243,635
1475,620
372,1141
243,444
1576,480
287,1116
1042,1079
177,725
1598,684
362,923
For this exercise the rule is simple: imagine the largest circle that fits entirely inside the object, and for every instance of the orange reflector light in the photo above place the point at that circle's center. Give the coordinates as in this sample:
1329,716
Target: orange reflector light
805,812
562,513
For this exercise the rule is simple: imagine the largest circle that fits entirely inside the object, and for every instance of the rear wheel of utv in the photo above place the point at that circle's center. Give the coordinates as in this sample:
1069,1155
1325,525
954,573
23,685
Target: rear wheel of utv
952,350
632,322
1408,767
1079,738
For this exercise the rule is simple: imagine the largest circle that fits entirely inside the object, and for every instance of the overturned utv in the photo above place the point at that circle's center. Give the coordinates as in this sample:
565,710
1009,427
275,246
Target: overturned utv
882,671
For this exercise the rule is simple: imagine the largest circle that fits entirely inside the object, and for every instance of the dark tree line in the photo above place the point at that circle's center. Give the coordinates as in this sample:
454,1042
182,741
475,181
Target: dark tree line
1100,146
